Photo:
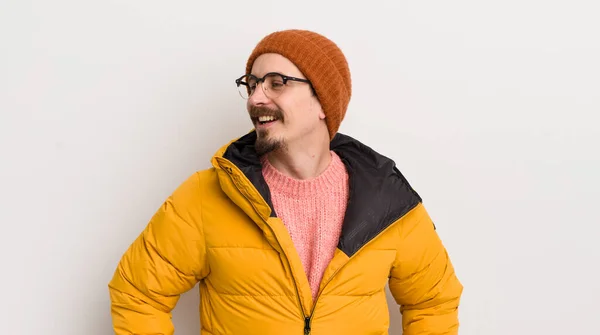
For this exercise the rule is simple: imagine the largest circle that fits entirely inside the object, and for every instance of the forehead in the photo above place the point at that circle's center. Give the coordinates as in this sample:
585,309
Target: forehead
272,62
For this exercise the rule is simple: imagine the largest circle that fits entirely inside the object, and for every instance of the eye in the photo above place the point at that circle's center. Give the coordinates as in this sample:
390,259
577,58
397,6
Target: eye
277,84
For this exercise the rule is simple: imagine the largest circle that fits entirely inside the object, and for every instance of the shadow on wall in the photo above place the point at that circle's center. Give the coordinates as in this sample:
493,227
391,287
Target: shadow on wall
395,317
186,316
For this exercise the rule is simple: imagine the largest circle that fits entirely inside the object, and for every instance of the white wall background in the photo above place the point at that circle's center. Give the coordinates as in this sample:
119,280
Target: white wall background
489,108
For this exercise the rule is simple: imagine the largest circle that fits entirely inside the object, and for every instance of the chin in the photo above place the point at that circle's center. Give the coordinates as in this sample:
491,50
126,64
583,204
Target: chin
265,143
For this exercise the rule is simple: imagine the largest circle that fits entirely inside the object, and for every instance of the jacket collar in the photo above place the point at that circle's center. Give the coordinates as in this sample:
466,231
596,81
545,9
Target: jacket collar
379,194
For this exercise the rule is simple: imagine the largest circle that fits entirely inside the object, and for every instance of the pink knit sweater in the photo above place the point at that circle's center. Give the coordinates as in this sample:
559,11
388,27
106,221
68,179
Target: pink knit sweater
313,211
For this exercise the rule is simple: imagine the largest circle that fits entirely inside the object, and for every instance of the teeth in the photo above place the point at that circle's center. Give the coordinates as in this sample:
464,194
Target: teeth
266,118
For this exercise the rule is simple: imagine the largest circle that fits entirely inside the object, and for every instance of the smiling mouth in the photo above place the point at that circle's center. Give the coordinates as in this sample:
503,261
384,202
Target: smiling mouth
266,119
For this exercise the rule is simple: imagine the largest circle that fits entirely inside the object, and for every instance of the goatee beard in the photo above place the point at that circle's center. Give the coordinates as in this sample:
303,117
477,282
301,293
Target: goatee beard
264,145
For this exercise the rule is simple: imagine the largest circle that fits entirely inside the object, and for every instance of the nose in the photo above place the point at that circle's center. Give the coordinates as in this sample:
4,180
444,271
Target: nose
258,97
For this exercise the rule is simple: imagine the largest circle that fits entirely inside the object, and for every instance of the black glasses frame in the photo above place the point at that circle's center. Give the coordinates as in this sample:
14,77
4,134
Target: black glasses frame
258,80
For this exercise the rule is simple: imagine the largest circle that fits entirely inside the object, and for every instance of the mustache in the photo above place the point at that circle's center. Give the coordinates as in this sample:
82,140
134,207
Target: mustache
257,111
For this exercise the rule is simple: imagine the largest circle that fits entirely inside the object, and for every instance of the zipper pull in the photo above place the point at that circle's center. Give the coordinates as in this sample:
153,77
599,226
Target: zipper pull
306,325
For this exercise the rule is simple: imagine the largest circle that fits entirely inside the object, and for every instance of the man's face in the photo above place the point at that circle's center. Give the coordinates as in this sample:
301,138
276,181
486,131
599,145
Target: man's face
290,116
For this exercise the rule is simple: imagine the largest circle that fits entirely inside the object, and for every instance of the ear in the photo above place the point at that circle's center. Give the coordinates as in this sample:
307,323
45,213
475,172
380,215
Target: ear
322,115
316,104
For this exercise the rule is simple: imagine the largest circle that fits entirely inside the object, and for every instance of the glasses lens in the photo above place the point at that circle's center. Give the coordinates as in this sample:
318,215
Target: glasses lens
273,85
243,90
246,86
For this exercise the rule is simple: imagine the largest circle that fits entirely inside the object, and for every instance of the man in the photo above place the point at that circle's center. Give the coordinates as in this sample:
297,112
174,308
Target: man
296,227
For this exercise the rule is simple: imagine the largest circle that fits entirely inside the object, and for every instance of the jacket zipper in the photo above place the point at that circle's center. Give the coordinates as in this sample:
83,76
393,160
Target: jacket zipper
306,325
306,318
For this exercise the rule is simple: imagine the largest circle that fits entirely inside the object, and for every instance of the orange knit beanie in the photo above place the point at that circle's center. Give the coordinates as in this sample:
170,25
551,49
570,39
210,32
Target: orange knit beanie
321,61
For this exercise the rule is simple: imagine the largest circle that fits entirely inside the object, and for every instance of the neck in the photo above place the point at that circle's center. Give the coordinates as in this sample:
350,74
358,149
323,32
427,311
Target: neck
303,160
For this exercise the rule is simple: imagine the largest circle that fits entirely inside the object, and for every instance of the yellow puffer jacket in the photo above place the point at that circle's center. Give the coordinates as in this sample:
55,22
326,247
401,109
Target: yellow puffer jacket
218,229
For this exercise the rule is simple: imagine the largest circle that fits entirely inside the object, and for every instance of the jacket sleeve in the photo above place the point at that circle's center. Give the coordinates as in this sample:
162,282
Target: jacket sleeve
422,280
167,259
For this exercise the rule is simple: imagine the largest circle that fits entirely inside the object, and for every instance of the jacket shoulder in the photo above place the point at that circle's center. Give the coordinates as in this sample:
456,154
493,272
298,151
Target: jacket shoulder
190,191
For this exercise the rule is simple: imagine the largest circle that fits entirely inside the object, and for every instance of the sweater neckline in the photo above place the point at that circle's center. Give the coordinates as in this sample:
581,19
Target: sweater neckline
330,179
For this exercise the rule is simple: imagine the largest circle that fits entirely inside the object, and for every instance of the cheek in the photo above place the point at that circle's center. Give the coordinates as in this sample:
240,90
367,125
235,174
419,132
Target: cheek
301,113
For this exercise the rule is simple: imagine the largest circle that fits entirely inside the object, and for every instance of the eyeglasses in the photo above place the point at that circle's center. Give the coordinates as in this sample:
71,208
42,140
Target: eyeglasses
273,84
